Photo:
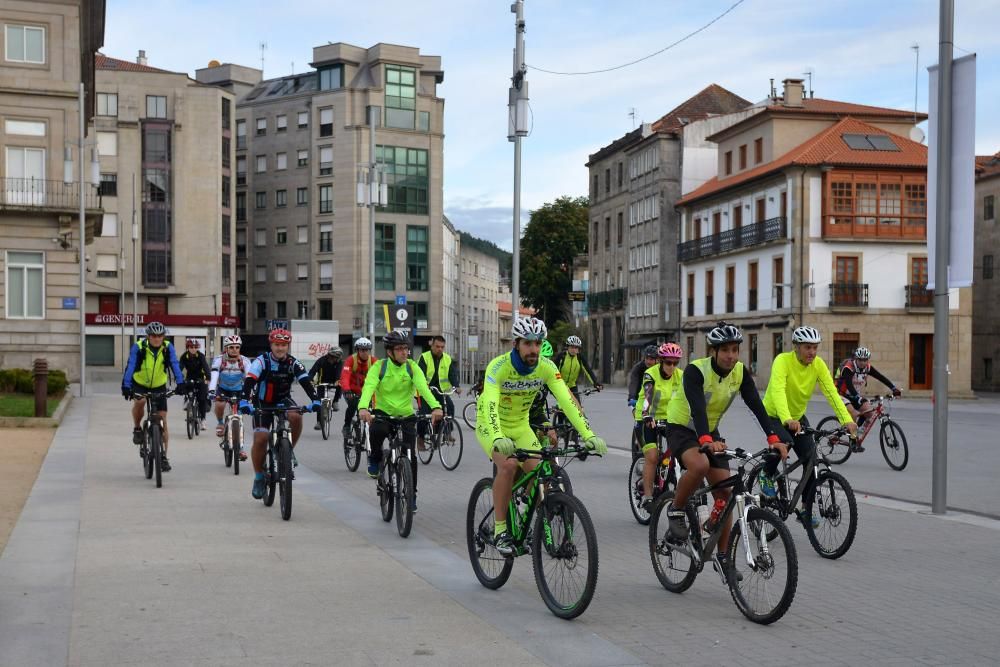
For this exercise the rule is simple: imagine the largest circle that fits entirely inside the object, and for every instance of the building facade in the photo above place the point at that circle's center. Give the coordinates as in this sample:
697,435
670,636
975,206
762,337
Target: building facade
300,141
480,283
817,216
48,52
451,289
634,184
166,156
986,287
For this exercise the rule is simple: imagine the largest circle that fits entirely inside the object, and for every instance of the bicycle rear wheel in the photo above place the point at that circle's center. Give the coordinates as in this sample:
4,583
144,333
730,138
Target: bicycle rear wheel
404,497
564,553
285,477
352,450
469,415
385,491
324,421
156,452
431,442
672,562
832,502
450,450
762,592
635,490
491,568
894,448
836,449
270,477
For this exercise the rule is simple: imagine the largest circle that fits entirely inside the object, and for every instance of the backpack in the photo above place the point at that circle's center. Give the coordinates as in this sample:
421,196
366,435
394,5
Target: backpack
383,368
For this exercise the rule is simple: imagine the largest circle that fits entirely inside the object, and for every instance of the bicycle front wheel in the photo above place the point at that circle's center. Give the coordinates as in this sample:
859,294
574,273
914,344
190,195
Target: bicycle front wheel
469,415
228,438
404,497
836,449
324,421
450,450
156,452
894,447
385,492
635,490
834,509
764,590
189,420
564,553
270,476
491,568
235,443
285,477
672,561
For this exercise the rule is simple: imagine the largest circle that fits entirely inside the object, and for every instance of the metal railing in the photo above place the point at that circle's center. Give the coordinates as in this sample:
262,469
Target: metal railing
608,300
918,296
35,193
848,295
746,236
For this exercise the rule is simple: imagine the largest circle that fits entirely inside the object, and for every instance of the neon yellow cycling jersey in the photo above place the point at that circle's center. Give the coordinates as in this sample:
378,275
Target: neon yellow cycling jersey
393,388
791,385
665,386
507,395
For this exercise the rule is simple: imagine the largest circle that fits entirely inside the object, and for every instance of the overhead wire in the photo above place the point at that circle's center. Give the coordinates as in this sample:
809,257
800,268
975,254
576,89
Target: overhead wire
647,57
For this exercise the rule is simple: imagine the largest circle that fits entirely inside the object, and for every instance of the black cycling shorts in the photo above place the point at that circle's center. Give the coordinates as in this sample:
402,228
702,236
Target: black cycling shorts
226,394
159,403
681,438
262,420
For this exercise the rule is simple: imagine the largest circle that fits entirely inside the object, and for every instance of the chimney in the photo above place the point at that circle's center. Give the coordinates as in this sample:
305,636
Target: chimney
793,92
142,58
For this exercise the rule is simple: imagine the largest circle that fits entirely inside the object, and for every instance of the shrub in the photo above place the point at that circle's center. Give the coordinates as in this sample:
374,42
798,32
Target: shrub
57,382
22,381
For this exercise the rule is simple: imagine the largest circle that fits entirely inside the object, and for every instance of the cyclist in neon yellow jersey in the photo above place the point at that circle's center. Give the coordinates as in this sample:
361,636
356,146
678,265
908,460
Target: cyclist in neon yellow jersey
664,379
502,425
794,376
392,382
709,387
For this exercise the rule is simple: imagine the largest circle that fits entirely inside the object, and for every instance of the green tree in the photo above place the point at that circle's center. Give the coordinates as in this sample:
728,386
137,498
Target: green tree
554,236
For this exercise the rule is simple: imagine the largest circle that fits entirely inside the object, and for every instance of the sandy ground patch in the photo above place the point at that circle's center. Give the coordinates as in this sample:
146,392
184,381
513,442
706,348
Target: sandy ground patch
22,450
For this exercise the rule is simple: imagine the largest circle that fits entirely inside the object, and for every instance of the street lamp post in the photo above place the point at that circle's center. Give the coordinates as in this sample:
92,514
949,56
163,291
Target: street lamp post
517,127
372,191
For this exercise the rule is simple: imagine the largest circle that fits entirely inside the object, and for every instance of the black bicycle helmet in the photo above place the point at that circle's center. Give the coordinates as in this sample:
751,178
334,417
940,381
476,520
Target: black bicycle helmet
650,351
394,338
723,333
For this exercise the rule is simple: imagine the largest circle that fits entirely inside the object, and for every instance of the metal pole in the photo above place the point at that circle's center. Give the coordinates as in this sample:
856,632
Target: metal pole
83,253
121,298
371,221
942,250
517,106
515,291
135,270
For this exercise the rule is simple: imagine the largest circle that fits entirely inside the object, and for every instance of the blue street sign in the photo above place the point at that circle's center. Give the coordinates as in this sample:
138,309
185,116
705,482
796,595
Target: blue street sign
400,299
277,324
70,303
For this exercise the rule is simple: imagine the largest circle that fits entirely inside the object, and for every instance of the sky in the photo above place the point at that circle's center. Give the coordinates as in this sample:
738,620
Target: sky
857,50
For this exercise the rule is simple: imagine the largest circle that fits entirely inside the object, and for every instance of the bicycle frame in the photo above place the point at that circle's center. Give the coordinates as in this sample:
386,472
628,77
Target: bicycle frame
813,461
234,414
880,411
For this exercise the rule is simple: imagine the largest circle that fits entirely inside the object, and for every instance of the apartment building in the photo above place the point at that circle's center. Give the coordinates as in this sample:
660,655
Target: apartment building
166,156
818,216
634,183
48,52
300,141
480,284
985,287
451,244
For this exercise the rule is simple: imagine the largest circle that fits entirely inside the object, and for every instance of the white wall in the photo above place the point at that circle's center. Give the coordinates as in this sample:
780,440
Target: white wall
772,205
700,157
765,295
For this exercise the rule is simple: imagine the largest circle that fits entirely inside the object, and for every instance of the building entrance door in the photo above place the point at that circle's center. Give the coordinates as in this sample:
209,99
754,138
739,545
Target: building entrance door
921,361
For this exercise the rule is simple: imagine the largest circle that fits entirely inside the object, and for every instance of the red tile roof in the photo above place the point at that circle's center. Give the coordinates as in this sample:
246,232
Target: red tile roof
712,100
504,308
104,62
816,105
826,148
987,166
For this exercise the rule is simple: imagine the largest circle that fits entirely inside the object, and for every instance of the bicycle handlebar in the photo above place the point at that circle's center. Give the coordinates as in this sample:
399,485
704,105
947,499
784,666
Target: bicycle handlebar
301,409
155,394
552,452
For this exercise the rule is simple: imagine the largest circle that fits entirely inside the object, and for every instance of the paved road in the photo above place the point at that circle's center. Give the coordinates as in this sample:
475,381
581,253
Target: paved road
104,569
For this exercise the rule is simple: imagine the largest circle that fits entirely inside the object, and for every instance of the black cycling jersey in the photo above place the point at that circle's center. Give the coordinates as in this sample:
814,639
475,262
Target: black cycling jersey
195,367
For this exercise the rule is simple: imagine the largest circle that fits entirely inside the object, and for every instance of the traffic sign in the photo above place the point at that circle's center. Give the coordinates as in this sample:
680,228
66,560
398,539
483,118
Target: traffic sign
401,319
400,299
473,343
577,296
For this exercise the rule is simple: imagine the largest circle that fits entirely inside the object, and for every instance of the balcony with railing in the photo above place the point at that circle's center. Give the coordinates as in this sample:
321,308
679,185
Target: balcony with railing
608,300
43,196
849,296
918,297
747,236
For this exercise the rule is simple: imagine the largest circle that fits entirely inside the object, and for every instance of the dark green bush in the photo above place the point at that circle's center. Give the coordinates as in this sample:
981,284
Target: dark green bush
57,382
21,381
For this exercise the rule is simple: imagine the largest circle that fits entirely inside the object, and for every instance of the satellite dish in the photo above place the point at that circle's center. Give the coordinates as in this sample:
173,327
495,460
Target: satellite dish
917,134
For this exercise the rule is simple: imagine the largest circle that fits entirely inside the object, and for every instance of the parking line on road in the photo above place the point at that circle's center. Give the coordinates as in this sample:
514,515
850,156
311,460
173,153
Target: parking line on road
525,620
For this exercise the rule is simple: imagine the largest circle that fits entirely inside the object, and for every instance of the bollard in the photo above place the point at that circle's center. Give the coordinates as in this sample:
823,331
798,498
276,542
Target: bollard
40,367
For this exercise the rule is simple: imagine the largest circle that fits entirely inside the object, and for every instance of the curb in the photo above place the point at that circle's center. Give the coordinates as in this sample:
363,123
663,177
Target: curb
40,422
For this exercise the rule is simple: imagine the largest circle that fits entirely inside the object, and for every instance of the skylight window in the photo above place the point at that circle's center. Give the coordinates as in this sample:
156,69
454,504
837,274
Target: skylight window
869,142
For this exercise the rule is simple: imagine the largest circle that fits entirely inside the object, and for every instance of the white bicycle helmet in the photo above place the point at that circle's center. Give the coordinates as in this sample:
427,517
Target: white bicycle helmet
863,353
362,344
574,341
806,335
723,333
231,340
529,328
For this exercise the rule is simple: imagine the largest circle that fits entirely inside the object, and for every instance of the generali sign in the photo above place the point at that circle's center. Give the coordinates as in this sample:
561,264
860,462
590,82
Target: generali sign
170,320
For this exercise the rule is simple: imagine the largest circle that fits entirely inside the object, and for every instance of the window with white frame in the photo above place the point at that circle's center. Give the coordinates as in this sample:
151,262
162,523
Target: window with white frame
302,234
25,44
325,160
107,104
301,271
260,237
261,163
280,273
25,285
282,161
326,276
260,274
107,143
303,157
107,266
156,106
25,128
281,123
261,127
303,119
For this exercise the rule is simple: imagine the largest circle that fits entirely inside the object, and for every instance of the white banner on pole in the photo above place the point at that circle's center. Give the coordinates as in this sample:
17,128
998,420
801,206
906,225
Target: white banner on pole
963,171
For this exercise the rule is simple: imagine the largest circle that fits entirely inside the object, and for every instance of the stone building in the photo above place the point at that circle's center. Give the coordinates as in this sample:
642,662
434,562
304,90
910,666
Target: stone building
634,184
166,155
300,141
48,52
479,286
986,287
818,216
